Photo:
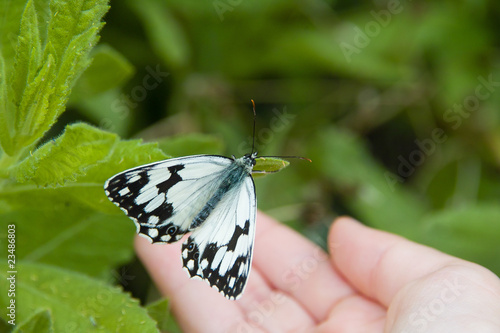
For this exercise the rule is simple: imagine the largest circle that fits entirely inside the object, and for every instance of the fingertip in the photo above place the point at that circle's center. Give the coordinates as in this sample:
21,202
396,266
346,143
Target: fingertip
340,228
346,220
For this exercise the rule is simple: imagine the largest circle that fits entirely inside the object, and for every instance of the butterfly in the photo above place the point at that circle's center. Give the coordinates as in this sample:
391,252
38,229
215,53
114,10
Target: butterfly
209,196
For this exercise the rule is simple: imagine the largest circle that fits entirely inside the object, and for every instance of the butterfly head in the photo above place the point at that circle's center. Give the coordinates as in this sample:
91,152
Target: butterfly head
247,161
250,158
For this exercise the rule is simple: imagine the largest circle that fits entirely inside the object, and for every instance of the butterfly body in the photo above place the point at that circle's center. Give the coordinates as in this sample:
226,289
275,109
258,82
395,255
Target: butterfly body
234,176
211,196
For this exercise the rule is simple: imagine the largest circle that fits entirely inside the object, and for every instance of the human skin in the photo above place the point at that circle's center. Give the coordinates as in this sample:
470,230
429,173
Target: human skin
371,281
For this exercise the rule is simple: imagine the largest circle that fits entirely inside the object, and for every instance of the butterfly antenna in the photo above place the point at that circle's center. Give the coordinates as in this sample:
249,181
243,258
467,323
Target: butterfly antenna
253,132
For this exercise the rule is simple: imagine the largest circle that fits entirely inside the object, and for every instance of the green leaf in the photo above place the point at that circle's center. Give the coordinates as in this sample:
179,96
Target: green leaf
94,162
109,69
39,322
26,68
28,56
265,165
165,321
42,80
71,64
34,105
66,158
6,111
74,18
71,237
470,232
191,144
76,302
11,13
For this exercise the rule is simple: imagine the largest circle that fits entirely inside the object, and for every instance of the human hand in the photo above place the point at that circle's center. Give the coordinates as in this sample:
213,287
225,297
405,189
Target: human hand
372,281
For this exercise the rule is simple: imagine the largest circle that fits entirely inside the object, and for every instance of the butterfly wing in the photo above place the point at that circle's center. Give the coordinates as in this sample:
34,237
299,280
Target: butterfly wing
163,197
220,250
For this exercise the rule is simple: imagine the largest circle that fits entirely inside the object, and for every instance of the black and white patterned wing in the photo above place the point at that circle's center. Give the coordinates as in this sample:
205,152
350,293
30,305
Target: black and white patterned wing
163,197
220,250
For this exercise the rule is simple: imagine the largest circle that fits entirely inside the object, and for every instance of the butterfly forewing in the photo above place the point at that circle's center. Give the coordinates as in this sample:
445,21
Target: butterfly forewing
163,197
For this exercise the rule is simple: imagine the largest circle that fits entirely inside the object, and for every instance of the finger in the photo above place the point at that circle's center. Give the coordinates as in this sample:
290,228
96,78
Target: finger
294,265
196,306
378,263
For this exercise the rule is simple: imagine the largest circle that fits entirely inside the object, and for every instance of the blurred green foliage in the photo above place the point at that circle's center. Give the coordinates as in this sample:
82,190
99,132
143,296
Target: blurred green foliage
396,102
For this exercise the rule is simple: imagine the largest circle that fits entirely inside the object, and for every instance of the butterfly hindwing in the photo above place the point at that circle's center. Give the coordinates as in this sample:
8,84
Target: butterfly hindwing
163,197
220,252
